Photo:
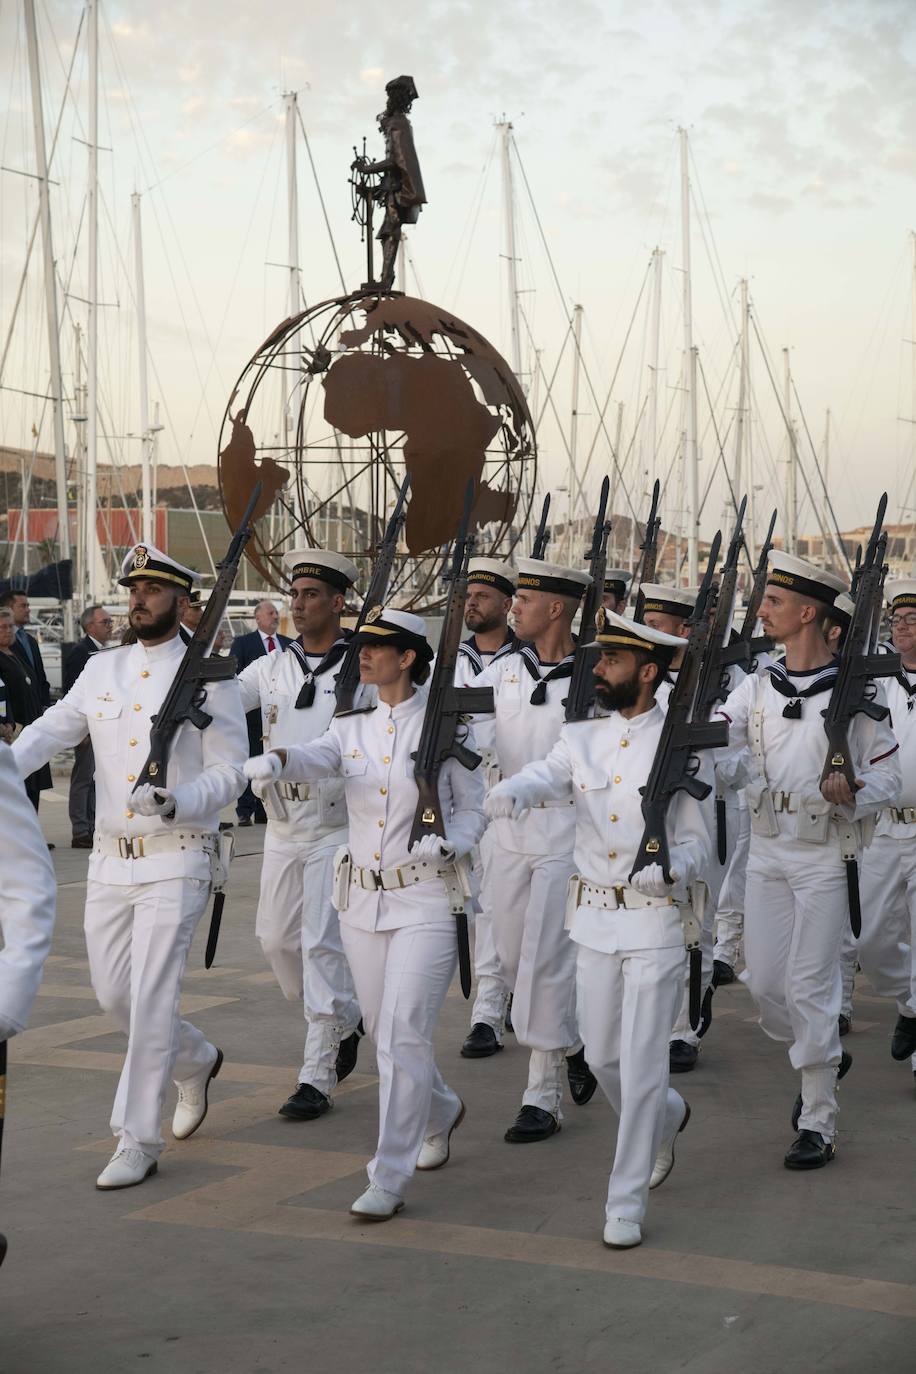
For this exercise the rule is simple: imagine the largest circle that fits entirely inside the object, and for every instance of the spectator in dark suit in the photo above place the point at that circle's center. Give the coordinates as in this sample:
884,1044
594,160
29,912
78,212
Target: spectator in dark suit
97,626
25,647
20,705
245,649
31,690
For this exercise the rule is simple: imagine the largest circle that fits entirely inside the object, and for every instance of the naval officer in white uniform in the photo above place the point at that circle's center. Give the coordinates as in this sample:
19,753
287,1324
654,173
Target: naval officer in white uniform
29,903
627,931
297,924
150,867
796,908
395,910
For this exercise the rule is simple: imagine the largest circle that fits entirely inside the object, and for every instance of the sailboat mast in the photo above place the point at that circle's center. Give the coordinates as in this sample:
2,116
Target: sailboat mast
791,462
690,371
652,411
738,478
92,331
53,321
515,350
574,419
146,438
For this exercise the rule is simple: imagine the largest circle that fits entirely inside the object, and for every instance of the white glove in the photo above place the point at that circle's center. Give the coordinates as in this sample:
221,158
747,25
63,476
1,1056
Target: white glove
651,881
150,800
434,848
502,802
263,768
7,1028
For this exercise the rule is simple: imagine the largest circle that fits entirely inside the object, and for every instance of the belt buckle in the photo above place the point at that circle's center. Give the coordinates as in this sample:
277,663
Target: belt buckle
619,896
130,846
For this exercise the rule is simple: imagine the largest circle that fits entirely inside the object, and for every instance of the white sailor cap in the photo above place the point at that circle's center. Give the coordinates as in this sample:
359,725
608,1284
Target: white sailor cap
617,580
661,600
400,629
537,576
323,564
901,592
842,609
492,573
796,575
146,561
613,631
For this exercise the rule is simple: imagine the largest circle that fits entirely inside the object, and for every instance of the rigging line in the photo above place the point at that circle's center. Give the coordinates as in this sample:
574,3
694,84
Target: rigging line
725,297
835,538
818,469
626,340
259,114
721,458
37,220
469,228
324,209
553,271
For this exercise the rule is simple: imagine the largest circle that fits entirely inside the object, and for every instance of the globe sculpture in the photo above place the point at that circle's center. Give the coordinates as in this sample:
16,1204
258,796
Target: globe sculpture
340,401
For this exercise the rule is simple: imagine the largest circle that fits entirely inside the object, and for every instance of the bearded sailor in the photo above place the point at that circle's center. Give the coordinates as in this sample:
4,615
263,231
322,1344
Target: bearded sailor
150,867
796,909
491,587
626,931
296,924
530,861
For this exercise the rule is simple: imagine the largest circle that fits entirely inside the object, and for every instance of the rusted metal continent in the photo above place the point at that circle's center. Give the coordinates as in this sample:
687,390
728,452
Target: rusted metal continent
239,471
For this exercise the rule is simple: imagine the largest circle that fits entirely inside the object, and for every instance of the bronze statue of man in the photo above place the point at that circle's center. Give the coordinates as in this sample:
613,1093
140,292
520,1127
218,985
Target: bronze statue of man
400,192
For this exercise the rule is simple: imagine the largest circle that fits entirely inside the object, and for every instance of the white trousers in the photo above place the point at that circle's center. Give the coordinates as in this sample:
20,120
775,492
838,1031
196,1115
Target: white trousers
526,894
138,939
299,930
884,950
730,912
492,995
795,918
401,979
627,1001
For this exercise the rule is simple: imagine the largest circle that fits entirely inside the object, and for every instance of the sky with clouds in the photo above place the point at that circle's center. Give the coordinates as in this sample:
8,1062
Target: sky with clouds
802,123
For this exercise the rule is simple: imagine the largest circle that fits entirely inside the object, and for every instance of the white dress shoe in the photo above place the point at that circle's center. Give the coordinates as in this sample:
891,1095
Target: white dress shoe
126,1168
434,1151
664,1161
620,1234
376,1204
191,1107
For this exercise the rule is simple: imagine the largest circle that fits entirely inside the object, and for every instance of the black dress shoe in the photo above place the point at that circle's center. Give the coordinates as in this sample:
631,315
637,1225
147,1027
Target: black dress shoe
246,820
842,1071
722,974
481,1042
508,1021
809,1151
682,1057
904,1041
81,842
225,825
347,1051
532,1124
582,1082
844,1024
306,1104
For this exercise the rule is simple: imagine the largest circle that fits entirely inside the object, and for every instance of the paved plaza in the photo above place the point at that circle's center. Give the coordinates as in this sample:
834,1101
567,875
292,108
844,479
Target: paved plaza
240,1256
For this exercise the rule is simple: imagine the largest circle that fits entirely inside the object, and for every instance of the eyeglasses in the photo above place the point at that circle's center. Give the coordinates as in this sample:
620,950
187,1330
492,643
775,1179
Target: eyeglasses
906,622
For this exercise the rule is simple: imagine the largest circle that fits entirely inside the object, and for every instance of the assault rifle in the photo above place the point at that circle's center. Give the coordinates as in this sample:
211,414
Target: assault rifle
674,768
645,571
348,677
185,698
852,693
744,650
582,682
542,534
443,731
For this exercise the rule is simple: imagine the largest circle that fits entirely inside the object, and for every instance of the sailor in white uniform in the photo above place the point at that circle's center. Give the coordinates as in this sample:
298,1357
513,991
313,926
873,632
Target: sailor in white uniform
627,931
885,948
796,910
491,587
153,853
29,903
616,589
525,884
395,909
297,924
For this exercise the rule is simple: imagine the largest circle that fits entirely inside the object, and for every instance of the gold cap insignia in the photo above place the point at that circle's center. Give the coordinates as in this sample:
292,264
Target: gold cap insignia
141,557
373,615
600,619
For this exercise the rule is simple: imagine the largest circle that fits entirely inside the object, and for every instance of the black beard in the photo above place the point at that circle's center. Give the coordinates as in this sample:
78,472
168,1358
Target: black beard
620,697
155,629
483,626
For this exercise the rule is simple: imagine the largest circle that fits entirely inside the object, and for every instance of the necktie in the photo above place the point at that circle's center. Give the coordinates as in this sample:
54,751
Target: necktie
270,644
307,691
531,662
780,681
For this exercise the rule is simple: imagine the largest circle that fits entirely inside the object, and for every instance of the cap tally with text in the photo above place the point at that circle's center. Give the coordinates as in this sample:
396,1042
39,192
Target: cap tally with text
613,631
537,576
796,575
323,564
492,573
146,561
400,629
661,600
616,581
901,593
